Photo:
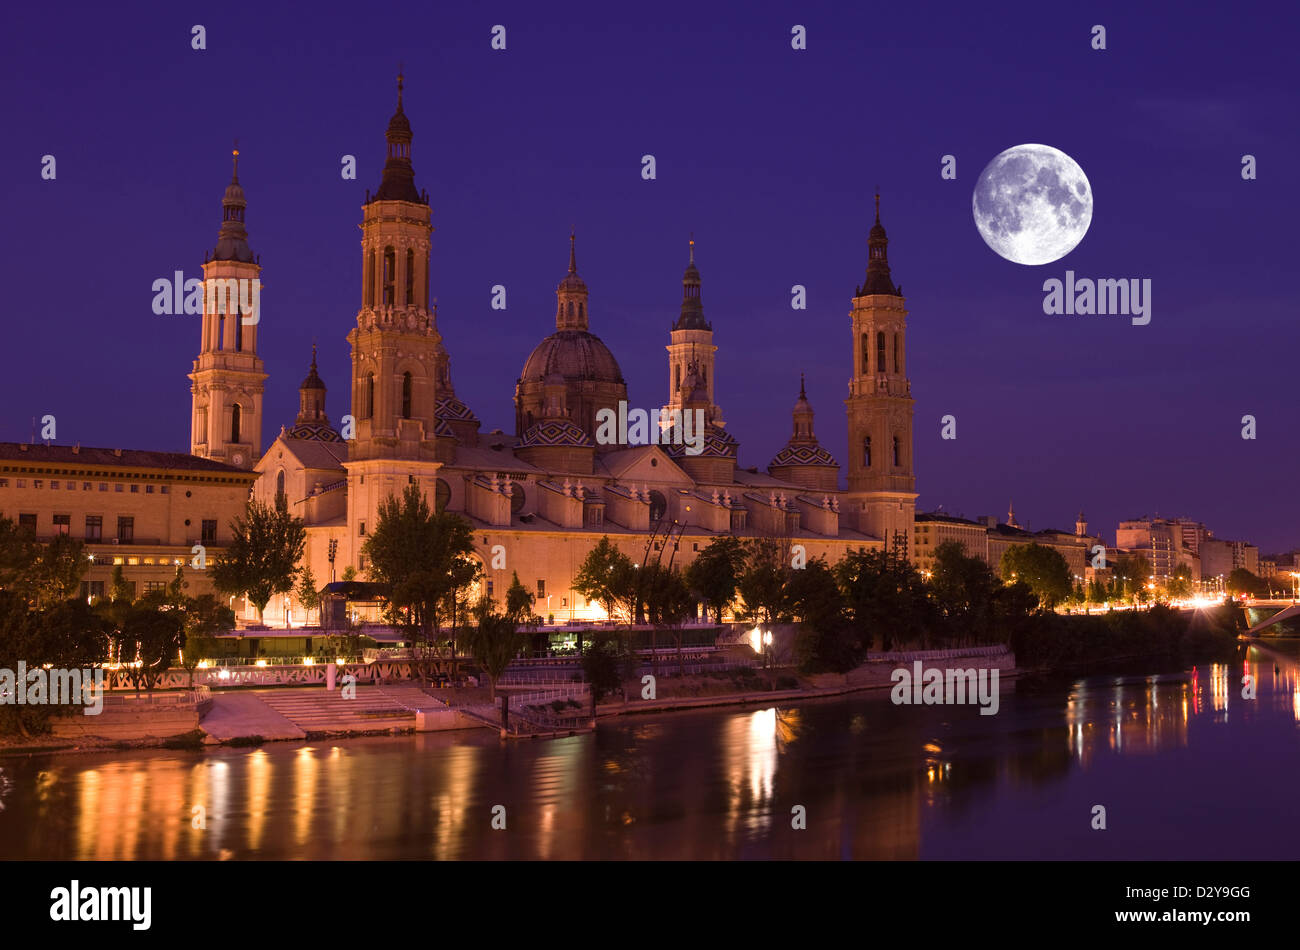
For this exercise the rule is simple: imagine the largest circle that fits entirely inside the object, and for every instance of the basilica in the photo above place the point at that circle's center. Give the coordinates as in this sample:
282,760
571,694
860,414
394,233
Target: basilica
540,497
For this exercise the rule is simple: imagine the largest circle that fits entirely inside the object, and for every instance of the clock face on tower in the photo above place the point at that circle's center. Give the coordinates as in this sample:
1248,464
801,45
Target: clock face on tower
237,458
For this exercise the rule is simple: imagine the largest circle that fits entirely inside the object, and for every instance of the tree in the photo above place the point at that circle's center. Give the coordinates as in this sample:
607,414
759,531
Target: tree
606,576
147,641
17,552
308,594
119,590
493,642
1132,574
57,571
68,635
886,599
203,617
1043,569
762,582
262,558
603,665
1180,584
519,601
964,589
1242,581
424,560
824,642
42,574
715,574
669,602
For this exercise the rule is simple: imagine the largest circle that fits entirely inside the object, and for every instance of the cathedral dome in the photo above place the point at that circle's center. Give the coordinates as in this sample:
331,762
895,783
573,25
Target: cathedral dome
576,355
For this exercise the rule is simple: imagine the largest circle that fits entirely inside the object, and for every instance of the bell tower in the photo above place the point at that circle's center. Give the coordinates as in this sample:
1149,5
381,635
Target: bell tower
691,347
228,377
395,344
881,482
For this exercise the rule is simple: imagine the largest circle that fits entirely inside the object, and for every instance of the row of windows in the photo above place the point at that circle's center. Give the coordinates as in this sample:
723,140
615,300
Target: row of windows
866,451
57,484
389,282
94,527
880,353
368,396
236,423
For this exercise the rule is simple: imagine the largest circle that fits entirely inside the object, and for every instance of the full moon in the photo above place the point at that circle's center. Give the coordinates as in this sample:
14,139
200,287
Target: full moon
1032,204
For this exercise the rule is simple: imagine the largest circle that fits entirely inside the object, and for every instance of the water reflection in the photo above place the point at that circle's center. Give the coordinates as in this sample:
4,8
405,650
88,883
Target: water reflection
874,780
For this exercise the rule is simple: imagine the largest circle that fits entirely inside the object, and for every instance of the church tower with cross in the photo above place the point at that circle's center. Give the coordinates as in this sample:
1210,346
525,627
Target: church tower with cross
228,377
881,499
691,348
395,343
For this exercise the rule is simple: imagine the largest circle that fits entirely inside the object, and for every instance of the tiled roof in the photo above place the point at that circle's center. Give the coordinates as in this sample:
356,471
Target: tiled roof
120,458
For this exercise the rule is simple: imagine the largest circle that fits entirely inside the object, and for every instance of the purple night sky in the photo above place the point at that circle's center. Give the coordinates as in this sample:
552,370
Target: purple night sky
769,155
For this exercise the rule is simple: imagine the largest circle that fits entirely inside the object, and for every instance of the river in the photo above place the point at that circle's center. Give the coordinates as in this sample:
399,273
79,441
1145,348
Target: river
1182,764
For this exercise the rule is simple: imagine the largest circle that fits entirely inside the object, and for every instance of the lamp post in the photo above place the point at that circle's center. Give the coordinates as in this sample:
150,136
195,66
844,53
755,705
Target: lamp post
767,648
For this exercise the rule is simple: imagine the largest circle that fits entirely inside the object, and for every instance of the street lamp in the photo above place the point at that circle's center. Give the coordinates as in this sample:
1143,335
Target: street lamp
767,647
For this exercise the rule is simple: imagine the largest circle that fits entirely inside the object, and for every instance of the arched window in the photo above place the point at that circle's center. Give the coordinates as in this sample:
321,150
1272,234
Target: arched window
866,355
279,485
582,311
677,386
897,367
368,396
570,310
898,452
370,280
235,413
406,395
866,451
880,352
390,275
410,277
239,333
442,495
658,505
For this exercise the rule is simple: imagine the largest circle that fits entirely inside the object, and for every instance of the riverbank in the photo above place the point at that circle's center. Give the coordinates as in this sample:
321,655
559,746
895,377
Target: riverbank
243,717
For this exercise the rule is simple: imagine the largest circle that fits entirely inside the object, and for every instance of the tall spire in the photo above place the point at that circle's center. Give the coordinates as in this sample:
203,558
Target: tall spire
232,239
571,294
398,183
692,313
878,277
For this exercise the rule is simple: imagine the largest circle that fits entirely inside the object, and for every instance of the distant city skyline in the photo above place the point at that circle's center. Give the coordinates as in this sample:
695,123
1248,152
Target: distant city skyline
768,155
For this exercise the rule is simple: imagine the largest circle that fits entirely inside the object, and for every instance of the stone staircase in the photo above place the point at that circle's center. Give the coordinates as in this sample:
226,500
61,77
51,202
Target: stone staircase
376,709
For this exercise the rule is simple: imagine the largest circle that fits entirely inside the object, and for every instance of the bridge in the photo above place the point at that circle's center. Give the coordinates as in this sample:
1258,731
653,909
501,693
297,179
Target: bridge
1266,612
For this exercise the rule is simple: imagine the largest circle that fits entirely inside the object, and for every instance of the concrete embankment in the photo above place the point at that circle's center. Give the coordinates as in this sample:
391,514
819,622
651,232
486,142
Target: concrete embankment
243,716
873,675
